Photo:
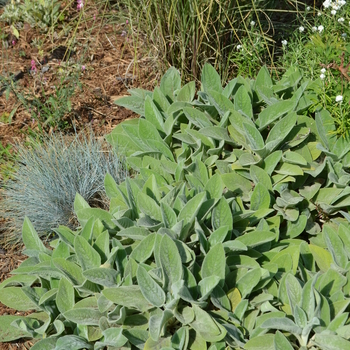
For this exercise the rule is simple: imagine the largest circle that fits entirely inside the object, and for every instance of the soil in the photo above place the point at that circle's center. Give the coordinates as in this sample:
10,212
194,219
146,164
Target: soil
104,57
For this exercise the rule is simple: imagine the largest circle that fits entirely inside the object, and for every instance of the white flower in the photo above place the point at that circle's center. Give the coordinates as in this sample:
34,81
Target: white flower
339,98
314,29
284,42
239,47
320,28
322,76
344,35
301,29
323,70
327,4
252,23
341,19
319,14
308,8
333,12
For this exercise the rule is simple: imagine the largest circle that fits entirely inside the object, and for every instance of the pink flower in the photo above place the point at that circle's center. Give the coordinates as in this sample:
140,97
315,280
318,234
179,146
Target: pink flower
127,22
80,4
83,68
33,68
13,42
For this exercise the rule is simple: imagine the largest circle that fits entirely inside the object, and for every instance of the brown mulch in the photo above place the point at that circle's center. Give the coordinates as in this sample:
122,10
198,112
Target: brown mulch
110,69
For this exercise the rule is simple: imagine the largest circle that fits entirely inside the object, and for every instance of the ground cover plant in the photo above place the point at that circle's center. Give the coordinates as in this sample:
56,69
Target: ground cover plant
234,233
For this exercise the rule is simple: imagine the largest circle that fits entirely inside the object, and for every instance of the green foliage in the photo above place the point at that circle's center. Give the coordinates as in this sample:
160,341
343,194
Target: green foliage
187,34
41,13
322,52
234,233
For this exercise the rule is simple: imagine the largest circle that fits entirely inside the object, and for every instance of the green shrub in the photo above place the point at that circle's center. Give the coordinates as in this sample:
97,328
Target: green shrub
234,234
47,177
43,13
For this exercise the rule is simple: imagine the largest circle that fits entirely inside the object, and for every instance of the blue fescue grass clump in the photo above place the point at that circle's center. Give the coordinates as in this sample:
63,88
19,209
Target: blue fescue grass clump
48,177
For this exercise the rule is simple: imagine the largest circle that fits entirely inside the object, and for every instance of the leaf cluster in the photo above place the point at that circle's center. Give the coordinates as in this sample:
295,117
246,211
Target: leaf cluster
234,234
42,13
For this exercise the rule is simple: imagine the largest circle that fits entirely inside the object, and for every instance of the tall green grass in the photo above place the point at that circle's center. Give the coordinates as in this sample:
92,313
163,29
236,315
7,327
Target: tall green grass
188,33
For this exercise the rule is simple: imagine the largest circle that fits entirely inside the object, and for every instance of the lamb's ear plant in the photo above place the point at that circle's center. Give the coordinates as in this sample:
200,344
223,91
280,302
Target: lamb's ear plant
233,234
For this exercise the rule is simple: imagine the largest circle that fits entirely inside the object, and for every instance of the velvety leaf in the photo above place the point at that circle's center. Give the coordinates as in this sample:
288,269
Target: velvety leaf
15,298
159,344
157,322
205,325
71,270
271,161
84,316
187,92
219,235
152,115
248,281
9,332
273,112
87,256
65,296
280,131
294,290
308,298
149,288
235,298
323,257
170,82
170,261
222,215
215,187
72,342
260,176
190,210
197,117
220,102
236,183
101,275
253,137
129,296
294,229
243,103
281,342
335,246
260,198
262,342
45,344
144,249
210,79
325,128
283,324
214,263
149,206
255,238
331,342
206,286
30,237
